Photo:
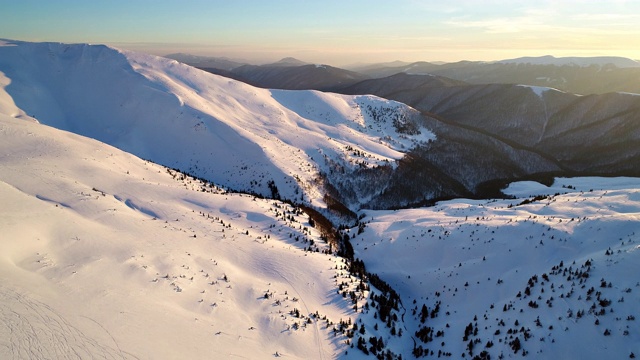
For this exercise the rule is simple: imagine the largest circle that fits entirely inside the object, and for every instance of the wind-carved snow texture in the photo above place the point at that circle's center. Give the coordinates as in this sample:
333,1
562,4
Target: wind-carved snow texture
236,135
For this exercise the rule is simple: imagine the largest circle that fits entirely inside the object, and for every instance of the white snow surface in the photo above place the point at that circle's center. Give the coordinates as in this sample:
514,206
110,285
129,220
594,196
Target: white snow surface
223,130
105,255
477,257
540,90
524,189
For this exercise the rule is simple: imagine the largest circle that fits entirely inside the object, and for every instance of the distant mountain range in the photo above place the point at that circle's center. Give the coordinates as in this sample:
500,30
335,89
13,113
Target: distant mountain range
617,61
283,75
578,75
288,61
287,73
206,61
596,134
512,129
591,76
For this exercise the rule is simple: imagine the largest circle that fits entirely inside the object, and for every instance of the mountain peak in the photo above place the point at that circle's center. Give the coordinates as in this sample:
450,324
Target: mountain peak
288,61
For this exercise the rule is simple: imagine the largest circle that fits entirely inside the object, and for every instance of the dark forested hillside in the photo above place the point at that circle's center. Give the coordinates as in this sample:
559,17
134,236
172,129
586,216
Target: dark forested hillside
291,77
595,134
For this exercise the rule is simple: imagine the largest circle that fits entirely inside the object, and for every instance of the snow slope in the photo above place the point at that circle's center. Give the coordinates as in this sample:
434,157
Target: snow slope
557,271
223,130
105,255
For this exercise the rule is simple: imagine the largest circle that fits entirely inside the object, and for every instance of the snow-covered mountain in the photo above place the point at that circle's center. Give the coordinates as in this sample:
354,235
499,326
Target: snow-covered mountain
104,254
108,255
275,143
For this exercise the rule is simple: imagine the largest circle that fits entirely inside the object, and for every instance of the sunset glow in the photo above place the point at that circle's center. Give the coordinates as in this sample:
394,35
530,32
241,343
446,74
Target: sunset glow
336,32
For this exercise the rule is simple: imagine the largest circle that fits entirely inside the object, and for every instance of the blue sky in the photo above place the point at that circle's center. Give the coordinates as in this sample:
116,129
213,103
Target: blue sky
335,32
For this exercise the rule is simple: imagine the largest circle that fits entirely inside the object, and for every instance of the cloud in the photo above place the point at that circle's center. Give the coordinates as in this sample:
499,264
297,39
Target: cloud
608,18
499,26
567,17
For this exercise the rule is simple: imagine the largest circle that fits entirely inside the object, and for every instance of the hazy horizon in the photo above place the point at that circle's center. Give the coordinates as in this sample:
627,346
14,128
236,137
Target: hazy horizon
336,33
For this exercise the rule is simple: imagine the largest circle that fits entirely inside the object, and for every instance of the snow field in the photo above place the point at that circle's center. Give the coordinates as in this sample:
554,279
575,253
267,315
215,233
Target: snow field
135,261
476,257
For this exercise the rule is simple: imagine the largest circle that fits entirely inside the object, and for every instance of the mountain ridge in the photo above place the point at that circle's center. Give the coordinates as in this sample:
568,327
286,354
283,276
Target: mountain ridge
184,118
585,61
291,77
560,126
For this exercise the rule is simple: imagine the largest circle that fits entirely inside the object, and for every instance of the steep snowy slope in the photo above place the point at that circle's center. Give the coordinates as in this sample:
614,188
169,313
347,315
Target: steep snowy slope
103,254
219,129
555,269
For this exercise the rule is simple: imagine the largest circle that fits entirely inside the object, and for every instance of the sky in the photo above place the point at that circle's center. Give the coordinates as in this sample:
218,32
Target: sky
335,32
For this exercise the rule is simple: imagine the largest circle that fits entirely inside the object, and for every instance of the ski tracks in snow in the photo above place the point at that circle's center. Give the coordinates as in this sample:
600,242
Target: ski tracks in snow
30,329
316,333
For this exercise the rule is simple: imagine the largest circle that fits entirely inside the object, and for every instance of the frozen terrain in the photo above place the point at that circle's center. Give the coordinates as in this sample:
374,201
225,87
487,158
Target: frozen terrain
555,268
104,254
109,256
223,130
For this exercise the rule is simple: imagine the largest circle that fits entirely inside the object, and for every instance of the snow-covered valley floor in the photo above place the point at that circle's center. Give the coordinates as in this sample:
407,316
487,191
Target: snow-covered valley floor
556,268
